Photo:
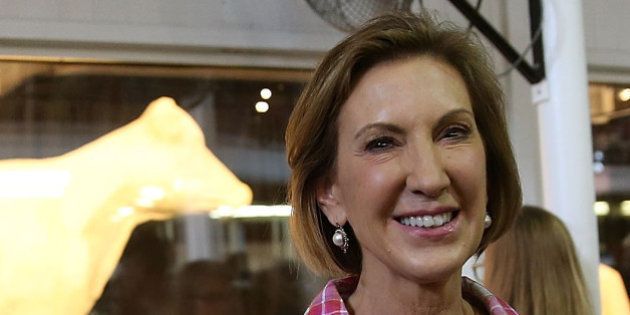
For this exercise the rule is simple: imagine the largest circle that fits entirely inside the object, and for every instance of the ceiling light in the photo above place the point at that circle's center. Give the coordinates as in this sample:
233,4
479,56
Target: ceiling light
601,208
624,94
598,155
265,93
262,107
253,211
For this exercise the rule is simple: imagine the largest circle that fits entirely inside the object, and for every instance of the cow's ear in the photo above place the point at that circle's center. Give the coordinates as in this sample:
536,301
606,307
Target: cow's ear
169,122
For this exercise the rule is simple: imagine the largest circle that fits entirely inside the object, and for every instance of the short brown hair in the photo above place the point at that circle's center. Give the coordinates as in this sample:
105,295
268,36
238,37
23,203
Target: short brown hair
311,135
534,267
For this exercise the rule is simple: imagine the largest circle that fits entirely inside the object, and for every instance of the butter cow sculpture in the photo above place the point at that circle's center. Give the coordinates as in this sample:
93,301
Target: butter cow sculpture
64,221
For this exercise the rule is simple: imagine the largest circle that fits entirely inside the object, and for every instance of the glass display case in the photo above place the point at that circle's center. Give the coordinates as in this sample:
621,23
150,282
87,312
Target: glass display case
225,262
610,116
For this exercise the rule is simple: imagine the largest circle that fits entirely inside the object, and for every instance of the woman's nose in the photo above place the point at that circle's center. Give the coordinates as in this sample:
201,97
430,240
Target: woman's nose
426,172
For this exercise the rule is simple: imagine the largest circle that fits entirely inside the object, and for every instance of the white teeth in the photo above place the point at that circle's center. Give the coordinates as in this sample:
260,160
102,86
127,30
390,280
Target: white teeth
438,220
427,220
416,221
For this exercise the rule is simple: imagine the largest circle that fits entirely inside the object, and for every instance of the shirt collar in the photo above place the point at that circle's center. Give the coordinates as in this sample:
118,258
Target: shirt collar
330,301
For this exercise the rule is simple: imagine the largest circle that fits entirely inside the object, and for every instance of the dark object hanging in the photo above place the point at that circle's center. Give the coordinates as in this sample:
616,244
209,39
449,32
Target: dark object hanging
348,15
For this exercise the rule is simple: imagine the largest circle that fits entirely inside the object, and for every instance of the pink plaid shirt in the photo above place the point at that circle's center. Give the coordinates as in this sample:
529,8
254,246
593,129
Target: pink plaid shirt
330,300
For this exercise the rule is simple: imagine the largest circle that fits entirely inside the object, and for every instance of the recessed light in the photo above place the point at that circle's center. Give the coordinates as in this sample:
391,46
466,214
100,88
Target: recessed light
624,94
262,107
601,208
265,93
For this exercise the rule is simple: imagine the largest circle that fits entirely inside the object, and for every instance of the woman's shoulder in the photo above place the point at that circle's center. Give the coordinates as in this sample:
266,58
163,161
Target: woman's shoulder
477,294
331,299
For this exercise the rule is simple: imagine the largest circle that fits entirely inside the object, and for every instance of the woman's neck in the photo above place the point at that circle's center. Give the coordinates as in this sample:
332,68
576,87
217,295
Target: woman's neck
386,293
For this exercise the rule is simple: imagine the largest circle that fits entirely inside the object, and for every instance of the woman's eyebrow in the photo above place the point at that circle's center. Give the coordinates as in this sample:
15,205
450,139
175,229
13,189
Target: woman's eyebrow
398,130
379,125
453,114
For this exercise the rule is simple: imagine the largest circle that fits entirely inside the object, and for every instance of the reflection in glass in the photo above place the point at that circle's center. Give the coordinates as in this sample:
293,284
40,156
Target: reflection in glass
610,117
192,264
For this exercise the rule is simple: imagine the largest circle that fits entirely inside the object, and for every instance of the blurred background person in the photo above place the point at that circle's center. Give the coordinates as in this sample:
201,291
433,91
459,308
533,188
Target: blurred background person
207,288
534,267
612,292
140,284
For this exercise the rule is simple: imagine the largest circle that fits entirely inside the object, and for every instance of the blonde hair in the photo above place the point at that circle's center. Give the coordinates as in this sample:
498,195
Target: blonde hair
311,135
534,267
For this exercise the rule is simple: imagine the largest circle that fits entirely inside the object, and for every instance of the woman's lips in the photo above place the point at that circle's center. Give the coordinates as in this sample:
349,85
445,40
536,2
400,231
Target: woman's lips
429,226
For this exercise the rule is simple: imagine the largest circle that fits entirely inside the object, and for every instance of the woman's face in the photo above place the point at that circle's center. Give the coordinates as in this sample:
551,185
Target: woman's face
410,173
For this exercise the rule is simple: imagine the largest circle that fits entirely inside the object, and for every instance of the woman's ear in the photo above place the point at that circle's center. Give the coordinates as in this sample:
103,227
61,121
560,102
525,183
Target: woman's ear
330,201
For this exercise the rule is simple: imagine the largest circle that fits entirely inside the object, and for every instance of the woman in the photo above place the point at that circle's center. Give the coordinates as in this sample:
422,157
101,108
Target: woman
401,170
535,267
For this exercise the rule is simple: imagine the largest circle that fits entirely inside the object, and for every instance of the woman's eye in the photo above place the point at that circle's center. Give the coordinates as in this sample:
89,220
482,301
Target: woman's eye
455,132
379,144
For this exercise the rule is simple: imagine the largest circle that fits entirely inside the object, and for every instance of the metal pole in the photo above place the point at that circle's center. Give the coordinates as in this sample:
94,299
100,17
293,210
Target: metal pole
565,133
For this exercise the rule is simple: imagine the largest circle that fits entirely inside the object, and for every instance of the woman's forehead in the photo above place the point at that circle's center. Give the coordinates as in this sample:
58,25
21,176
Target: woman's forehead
422,86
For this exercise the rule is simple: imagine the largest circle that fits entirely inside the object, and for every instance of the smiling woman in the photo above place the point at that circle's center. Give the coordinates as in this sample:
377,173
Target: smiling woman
401,170
417,162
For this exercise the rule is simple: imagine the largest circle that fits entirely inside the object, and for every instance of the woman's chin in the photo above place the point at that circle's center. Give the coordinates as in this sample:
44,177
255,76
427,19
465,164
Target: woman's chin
433,271
436,275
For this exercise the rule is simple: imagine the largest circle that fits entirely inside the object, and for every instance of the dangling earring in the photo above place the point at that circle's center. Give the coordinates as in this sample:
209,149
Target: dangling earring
340,239
487,221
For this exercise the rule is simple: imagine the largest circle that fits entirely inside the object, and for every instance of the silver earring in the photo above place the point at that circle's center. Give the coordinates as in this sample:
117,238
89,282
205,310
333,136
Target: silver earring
340,239
487,221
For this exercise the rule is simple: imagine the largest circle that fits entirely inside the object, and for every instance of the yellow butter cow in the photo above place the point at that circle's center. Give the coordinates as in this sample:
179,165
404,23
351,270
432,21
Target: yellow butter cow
64,221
